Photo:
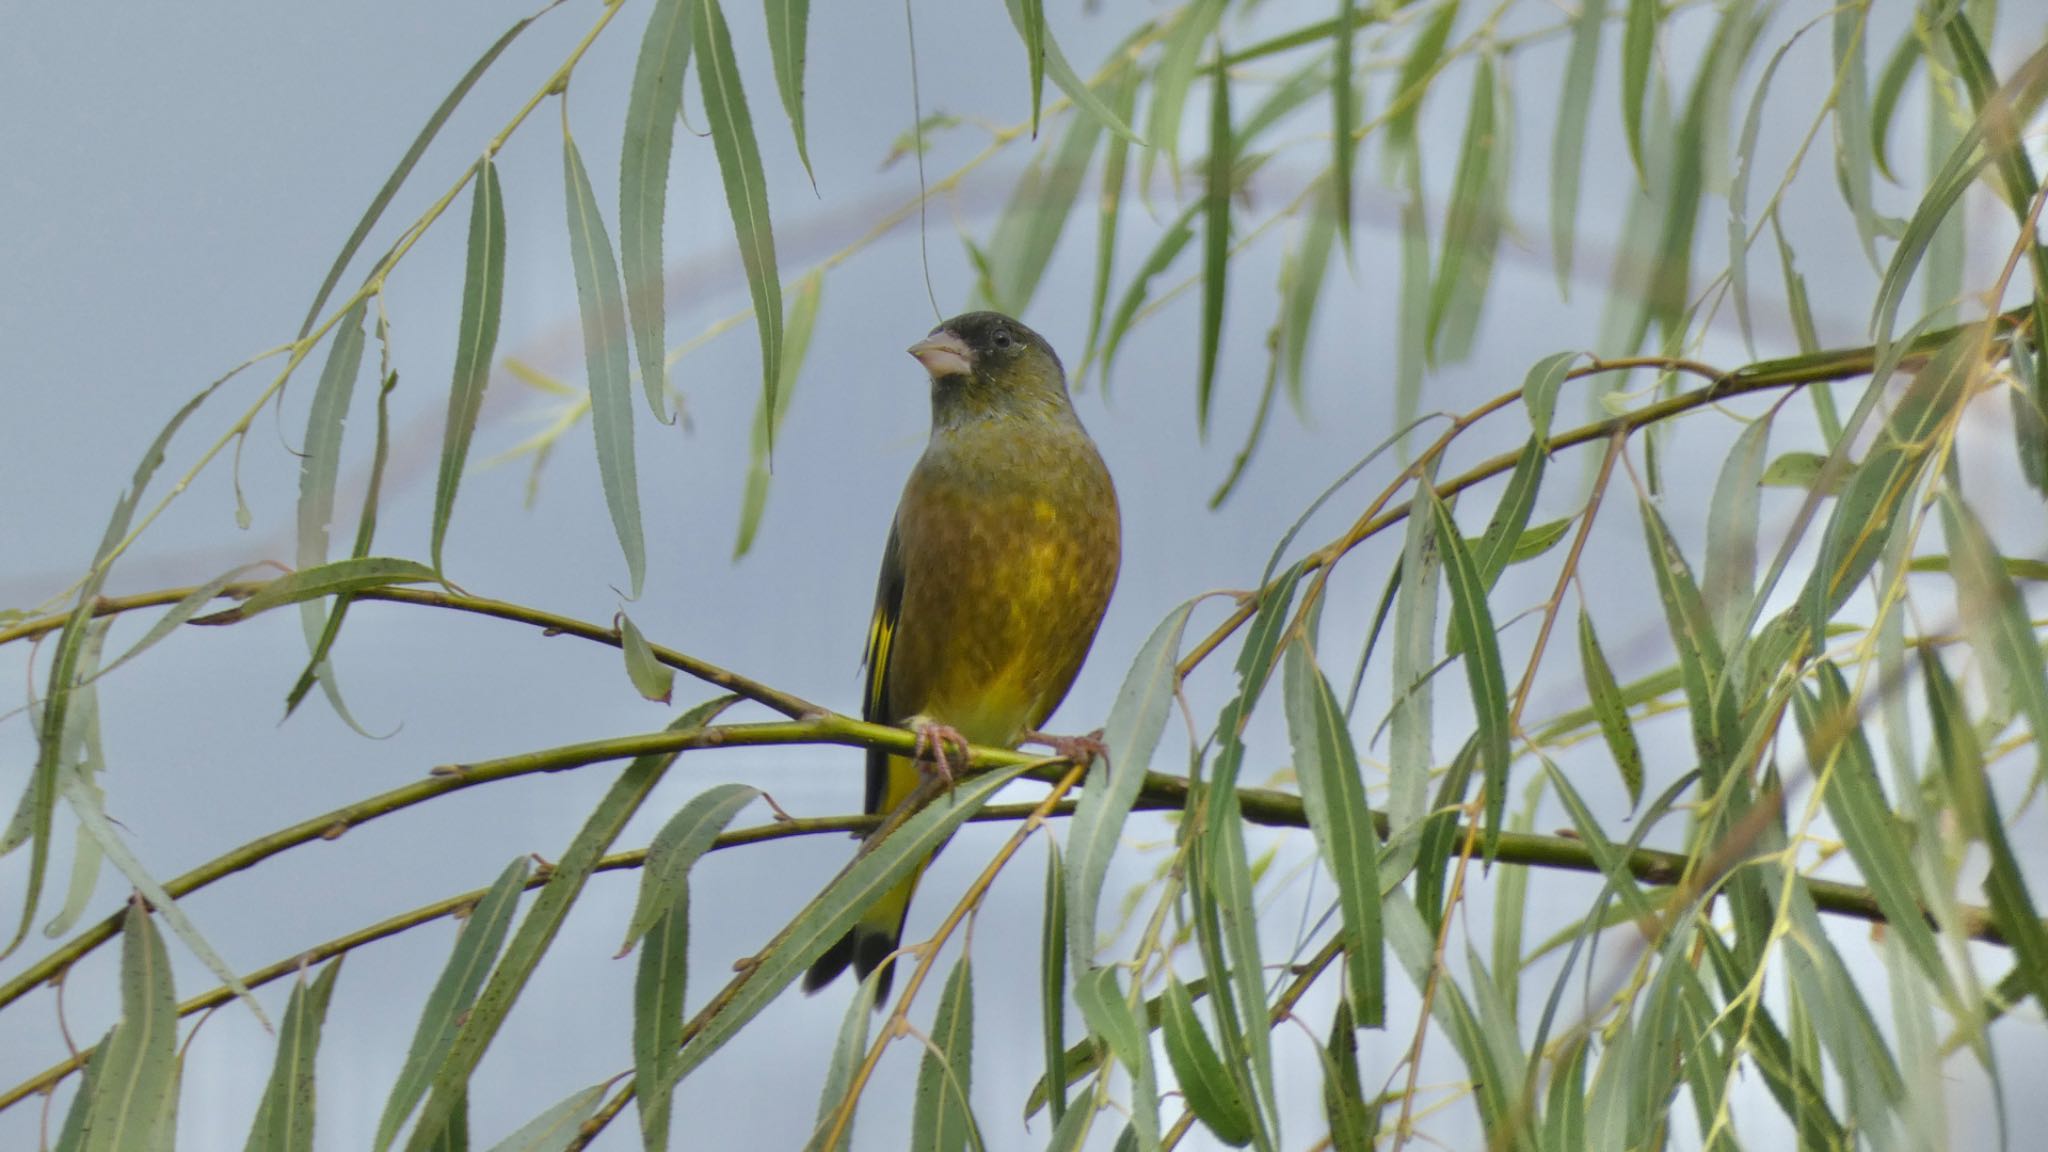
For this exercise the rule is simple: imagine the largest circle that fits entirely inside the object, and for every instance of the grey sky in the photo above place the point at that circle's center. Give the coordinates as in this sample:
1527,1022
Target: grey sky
177,180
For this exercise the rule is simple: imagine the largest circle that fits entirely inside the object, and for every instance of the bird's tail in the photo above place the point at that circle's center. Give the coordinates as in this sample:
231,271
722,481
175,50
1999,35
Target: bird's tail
870,942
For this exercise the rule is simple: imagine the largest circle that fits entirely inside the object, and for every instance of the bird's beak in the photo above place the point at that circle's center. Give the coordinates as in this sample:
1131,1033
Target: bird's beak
943,354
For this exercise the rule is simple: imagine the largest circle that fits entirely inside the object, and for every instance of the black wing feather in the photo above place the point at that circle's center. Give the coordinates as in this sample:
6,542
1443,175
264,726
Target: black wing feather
875,706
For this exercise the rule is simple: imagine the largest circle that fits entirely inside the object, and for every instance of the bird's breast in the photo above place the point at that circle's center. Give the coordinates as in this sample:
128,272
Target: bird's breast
1008,570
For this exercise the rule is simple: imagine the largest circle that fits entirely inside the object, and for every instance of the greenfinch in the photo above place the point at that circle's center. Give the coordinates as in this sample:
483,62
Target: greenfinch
998,569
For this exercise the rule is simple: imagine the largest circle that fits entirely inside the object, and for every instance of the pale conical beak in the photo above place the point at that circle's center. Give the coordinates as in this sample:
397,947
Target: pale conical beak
943,354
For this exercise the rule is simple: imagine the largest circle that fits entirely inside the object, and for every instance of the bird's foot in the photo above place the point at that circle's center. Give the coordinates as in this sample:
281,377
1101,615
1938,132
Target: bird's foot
930,749
1077,750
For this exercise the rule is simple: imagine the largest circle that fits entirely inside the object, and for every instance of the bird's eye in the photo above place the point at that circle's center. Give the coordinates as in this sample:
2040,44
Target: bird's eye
1002,338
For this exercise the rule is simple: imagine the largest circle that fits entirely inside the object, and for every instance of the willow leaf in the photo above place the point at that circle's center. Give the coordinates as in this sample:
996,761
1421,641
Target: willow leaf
651,111
746,185
603,312
788,26
476,341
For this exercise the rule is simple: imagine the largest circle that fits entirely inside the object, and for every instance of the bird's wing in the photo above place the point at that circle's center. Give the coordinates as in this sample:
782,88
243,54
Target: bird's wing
875,705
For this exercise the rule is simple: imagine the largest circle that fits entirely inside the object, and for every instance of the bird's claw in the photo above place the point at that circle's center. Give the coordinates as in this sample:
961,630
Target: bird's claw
1080,751
930,749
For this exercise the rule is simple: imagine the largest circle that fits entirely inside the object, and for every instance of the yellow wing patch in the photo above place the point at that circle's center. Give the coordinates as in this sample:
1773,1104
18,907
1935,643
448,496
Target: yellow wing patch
881,632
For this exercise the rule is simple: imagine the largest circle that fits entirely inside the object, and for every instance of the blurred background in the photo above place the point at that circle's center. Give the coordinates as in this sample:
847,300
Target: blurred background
178,179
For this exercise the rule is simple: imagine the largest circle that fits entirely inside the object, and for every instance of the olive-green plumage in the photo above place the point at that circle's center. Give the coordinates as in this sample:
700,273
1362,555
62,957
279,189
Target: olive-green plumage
998,568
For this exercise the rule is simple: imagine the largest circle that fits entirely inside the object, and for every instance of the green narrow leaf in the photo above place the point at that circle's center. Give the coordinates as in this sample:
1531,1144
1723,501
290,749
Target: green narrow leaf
1876,839
1411,721
1418,69
1669,299
1540,539
1799,470
796,344
943,1119
1068,80
1179,59
1491,1083
1891,85
1052,983
1505,529
319,467
1109,1016
1031,24
1732,524
1333,795
1033,218
1638,43
1876,490
1072,1132
1610,709
1996,618
1225,875
1941,279
1116,154
1625,318
1215,237
1738,195
675,850
320,459
1692,633
651,111
555,1129
284,1120
1568,146
1353,1122
1539,391
84,758
1853,148
1344,116
137,1059
476,341
1564,1114
405,165
1411,350
1161,257
834,911
1083,1059
1441,834
1302,274
651,678
1209,1090
339,578
317,669
1133,729
1472,623
476,950
479,1026
174,618
85,801
659,982
847,1053
604,358
1472,224
746,185
2013,103
71,1137
788,26
454,1135
2016,175
1257,431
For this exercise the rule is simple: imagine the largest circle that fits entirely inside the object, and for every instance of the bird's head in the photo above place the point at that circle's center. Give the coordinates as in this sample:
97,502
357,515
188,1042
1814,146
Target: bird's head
985,364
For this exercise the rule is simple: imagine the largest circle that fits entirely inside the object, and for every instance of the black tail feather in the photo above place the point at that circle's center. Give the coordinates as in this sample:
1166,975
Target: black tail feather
863,948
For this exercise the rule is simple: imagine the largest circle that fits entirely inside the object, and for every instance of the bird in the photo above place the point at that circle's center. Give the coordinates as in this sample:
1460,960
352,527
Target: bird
998,568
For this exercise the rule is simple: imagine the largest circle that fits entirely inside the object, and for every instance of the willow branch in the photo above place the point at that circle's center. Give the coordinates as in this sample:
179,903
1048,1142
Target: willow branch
1763,376
1159,792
